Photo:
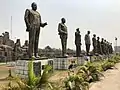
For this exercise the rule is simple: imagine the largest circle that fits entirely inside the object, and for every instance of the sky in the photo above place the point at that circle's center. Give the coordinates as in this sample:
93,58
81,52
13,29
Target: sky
101,17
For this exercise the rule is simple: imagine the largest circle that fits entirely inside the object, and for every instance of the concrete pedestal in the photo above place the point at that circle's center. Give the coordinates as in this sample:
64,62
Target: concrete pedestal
80,60
21,67
62,63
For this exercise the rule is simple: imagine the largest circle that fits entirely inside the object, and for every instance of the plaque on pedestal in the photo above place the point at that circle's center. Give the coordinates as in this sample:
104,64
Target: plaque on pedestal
21,67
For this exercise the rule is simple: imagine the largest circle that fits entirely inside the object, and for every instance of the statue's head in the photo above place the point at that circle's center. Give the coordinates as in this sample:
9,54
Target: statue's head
18,41
88,32
6,35
107,43
94,35
78,30
102,39
98,38
34,6
63,20
26,42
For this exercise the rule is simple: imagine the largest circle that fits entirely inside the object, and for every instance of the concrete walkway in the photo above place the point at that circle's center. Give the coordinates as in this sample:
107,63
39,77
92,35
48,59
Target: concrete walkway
110,82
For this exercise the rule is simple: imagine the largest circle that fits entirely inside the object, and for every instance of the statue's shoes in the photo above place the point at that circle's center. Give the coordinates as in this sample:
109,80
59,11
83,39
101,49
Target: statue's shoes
37,56
66,55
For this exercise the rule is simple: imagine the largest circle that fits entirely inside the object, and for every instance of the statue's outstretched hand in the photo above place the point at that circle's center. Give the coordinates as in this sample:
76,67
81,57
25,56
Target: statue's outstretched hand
45,24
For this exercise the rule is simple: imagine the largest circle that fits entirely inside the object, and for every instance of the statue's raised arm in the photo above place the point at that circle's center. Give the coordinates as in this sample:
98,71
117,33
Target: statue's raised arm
42,24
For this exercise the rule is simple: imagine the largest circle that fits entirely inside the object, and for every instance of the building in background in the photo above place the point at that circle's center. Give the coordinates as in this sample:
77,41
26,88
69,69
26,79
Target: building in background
6,47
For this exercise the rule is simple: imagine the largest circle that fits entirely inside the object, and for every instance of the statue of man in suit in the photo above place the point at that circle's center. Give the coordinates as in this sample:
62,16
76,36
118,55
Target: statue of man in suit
94,43
62,30
78,42
87,42
33,23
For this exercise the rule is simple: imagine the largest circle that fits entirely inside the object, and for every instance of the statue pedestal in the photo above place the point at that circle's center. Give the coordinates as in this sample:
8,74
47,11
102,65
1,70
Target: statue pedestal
80,60
62,63
21,67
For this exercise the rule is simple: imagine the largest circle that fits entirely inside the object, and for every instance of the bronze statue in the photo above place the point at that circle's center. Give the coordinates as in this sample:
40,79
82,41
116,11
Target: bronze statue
17,50
103,46
5,37
94,43
111,48
87,42
108,48
99,50
25,49
62,29
78,42
26,44
107,51
33,24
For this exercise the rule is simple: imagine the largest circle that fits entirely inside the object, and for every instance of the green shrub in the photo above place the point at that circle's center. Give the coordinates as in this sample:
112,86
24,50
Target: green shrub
76,82
107,65
32,83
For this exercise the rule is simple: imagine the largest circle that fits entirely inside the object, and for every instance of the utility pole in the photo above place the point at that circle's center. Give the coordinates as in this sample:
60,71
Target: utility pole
11,27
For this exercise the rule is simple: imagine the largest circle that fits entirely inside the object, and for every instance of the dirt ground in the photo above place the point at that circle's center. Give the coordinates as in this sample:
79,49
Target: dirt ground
58,75
110,82
4,71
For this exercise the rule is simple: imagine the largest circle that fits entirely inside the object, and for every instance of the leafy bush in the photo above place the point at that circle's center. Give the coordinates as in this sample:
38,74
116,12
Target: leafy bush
76,82
93,72
107,65
89,72
32,83
116,58
32,79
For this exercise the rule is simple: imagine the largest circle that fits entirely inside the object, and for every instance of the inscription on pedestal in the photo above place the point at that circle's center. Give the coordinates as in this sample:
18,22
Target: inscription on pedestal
37,68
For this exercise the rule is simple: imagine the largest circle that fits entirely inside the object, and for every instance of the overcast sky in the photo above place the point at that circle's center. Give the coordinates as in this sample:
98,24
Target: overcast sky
101,17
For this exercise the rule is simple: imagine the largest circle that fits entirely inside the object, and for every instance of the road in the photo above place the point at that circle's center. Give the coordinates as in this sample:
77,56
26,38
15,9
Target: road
110,82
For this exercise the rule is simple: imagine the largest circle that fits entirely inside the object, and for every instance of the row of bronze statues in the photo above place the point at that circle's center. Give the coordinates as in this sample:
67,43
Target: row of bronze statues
102,47
33,23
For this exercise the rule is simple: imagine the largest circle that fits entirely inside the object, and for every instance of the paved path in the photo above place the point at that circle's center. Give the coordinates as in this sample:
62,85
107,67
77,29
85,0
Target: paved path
110,82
